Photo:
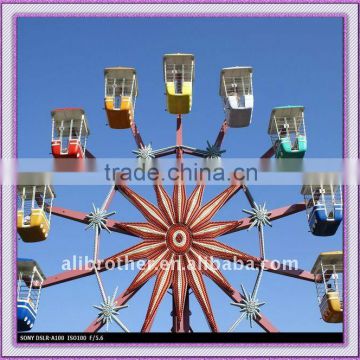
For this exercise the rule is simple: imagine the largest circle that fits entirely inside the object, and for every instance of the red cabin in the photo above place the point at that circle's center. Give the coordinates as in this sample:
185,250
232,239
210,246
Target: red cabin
69,133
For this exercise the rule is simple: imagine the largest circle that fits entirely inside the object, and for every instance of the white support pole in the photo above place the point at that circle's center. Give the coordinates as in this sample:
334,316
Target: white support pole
191,71
295,126
132,87
23,200
324,200
287,127
61,134
333,199
323,276
31,284
41,280
312,194
224,83
71,127
51,204
303,123
335,278
52,128
19,286
33,197
44,197
340,192
277,128
80,130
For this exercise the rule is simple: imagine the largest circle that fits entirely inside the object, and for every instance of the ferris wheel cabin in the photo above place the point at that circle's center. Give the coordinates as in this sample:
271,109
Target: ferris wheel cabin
329,266
324,207
69,133
30,279
34,211
121,90
237,93
179,77
287,131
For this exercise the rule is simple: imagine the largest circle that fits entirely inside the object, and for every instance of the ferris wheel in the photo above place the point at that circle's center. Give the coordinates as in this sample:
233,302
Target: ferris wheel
179,230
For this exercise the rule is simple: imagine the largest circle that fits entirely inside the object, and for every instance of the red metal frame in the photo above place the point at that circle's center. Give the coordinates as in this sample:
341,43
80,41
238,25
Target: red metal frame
221,135
180,215
136,135
135,229
268,154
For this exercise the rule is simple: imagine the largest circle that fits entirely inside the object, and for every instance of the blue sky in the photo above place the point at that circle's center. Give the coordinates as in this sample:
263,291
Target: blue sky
295,61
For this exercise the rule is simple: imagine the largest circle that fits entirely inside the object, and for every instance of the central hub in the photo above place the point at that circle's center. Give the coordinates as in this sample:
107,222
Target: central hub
178,238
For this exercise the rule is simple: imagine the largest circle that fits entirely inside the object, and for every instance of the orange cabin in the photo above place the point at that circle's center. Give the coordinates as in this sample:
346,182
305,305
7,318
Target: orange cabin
120,96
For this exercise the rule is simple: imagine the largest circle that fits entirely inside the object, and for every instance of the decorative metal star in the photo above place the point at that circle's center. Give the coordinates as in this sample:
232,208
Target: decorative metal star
145,152
213,151
250,307
109,312
180,233
259,215
97,219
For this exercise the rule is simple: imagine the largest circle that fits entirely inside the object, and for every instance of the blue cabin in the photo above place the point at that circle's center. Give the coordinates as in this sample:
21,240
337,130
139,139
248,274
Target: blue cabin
287,132
324,208
30,279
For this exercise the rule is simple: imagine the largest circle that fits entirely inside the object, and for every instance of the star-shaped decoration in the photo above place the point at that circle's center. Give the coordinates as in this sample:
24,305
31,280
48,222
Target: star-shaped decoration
109,312
259,216
180,232
250,307
145,152
213,151
97,219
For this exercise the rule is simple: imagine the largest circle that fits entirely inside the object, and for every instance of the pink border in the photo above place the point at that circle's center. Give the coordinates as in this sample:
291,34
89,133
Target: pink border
187,15
179,2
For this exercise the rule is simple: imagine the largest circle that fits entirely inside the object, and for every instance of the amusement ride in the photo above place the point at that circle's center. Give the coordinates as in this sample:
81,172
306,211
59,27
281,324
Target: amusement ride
180,228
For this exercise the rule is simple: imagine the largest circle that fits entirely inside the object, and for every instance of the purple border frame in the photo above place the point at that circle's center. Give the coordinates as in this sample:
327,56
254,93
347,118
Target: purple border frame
14,23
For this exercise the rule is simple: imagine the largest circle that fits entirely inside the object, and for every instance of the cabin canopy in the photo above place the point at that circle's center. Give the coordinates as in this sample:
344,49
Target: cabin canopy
41,181
291,117
332,258
26,267
62,121
47,191
236,81
311,189
329,181
120,81
175,64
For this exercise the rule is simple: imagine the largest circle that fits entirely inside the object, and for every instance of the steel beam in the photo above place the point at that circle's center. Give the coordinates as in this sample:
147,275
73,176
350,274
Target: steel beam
268,154
81,217
275,214
136,134
221,135
89,155
281,269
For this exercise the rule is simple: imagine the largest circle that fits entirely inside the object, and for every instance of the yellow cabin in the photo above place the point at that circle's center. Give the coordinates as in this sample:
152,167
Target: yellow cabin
329,266
179,77
34,211
121,91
